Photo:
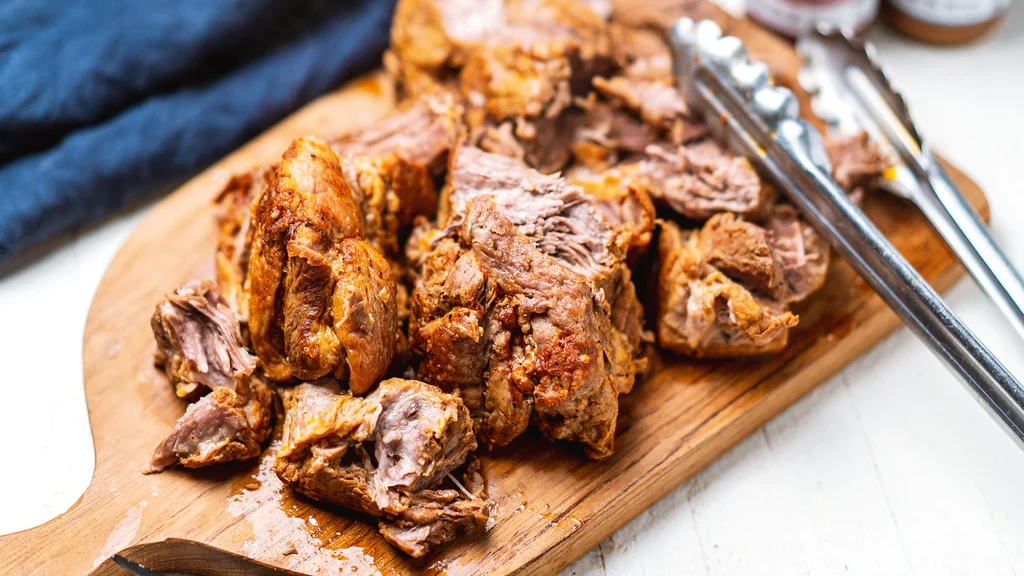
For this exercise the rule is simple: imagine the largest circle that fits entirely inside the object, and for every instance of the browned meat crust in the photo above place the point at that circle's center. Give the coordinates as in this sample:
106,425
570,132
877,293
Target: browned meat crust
742,251
227,424
390,167
525,305
322,300
703,310
434,34
385,455
625,204
517,65
234,237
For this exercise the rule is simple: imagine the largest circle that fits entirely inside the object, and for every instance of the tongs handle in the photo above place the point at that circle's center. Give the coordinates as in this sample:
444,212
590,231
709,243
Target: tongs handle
943,204
785,155
958,224
907,293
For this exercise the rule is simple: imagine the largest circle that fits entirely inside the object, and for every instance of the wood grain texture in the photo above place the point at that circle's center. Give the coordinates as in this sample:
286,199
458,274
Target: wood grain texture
552,504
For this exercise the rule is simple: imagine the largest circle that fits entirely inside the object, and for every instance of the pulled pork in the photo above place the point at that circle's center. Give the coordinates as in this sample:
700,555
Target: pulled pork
857,163
386,455
200,347
525,305
198,339
720,291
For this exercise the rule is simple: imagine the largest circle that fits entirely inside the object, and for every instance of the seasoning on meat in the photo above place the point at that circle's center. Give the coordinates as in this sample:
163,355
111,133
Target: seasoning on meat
715,291
322,300
388,455
525,305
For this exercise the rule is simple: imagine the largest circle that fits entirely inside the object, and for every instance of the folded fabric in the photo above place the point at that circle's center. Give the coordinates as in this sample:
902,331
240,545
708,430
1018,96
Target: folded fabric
105,102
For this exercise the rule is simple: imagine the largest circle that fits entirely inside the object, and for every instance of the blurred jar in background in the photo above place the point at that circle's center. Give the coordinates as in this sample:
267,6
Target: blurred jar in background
796,17
945,21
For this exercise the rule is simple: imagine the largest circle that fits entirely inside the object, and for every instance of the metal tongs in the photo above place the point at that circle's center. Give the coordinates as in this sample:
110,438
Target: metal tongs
761,121
852,93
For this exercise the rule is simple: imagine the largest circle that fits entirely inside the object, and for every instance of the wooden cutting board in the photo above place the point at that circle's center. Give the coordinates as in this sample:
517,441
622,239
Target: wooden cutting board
552,505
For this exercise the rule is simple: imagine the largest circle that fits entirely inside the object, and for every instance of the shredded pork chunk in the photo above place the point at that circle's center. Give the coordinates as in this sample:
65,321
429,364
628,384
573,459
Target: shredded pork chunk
387,455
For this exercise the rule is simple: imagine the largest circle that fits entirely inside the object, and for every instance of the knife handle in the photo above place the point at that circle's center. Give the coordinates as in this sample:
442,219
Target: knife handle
965,233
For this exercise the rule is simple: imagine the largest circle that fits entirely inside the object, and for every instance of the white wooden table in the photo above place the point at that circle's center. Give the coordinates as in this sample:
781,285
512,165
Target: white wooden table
889,468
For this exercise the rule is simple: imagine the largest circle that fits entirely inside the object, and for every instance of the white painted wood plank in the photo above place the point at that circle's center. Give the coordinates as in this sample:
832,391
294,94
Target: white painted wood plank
43,306
748,521
822,456
929,442
591,564
664,535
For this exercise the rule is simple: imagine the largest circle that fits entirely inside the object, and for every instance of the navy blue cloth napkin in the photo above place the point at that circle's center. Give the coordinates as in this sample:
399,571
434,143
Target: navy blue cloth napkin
103,102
